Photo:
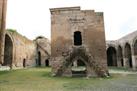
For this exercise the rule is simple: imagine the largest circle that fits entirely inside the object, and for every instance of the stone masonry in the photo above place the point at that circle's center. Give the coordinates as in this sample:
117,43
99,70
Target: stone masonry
3,7
43,51
19,51
123,52
77,35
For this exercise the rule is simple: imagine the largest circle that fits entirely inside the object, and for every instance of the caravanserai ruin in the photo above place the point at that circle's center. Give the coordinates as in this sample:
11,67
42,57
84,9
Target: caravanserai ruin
77,39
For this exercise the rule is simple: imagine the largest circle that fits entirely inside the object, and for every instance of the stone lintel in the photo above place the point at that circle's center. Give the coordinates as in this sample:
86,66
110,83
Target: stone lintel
65,9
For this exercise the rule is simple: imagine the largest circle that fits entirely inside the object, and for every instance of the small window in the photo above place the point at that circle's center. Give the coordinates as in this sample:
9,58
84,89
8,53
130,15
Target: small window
77,38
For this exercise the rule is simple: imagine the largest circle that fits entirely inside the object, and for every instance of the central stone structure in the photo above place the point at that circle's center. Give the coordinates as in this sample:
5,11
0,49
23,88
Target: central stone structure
77,37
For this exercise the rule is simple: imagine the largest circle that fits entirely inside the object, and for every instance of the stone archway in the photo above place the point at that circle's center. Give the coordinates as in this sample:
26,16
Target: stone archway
120,56
81,68
128,55
93,69
111,56
8,51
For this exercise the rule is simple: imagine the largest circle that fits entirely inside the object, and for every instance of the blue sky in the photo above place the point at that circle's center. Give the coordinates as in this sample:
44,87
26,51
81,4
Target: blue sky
32,17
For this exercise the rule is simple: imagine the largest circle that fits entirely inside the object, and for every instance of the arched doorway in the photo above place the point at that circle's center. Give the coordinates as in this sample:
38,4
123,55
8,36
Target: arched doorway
111,56
77,38
46,62
24,62
8,51
39,58
92,68
120,56
80,70
128,55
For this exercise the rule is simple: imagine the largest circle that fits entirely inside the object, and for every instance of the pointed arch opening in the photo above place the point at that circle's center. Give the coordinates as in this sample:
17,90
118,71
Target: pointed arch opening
81,69
8,51
128,55
111,56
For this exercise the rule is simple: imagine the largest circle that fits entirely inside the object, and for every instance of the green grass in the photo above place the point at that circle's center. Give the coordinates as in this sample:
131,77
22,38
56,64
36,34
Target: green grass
40,79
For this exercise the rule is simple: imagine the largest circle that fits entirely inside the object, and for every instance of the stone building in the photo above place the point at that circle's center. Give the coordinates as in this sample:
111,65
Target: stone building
77,35
43,51
19,51
123,52
3,7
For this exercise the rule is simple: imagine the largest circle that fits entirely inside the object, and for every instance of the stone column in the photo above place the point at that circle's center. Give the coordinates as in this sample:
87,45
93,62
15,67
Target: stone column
134,62
126,63
133,58
118,58
119,62
125,60
3,7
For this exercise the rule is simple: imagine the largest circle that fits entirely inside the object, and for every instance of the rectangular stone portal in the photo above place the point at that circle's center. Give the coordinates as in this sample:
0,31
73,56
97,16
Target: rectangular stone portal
77,36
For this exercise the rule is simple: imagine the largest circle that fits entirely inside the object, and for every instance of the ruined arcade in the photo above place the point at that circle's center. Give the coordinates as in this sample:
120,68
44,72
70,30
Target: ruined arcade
77,36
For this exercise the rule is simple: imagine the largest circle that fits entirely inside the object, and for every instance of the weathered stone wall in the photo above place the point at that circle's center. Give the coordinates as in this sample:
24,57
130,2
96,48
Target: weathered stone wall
66,21
44,48
125,48
23,50
3,7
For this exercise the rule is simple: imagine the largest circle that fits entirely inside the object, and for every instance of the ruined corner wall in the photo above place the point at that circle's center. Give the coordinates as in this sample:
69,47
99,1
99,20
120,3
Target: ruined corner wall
44,48
23,49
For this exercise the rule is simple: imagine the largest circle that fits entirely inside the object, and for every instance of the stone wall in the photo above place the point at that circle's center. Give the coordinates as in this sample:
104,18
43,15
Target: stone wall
126,53
3,7
43,51
23,51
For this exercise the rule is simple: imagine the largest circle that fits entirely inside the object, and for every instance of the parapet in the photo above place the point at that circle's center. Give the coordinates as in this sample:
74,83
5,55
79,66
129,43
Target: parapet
77,8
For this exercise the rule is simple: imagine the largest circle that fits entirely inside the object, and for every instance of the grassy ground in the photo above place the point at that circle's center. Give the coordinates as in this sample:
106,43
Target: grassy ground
39,79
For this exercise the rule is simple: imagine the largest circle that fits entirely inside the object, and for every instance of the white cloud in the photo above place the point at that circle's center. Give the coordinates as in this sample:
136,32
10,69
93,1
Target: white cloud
32,17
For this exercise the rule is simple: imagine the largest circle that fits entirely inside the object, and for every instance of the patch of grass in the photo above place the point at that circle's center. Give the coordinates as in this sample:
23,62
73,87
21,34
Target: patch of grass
119,68
4,72
40,79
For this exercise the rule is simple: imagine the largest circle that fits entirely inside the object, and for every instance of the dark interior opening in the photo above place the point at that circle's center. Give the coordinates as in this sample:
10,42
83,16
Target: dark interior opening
111,56
39,59
130,62
24,62
8,51
122,64
47,62
80,63
77,38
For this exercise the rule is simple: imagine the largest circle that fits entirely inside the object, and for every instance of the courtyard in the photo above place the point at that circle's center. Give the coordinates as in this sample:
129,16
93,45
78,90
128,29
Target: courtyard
40,79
